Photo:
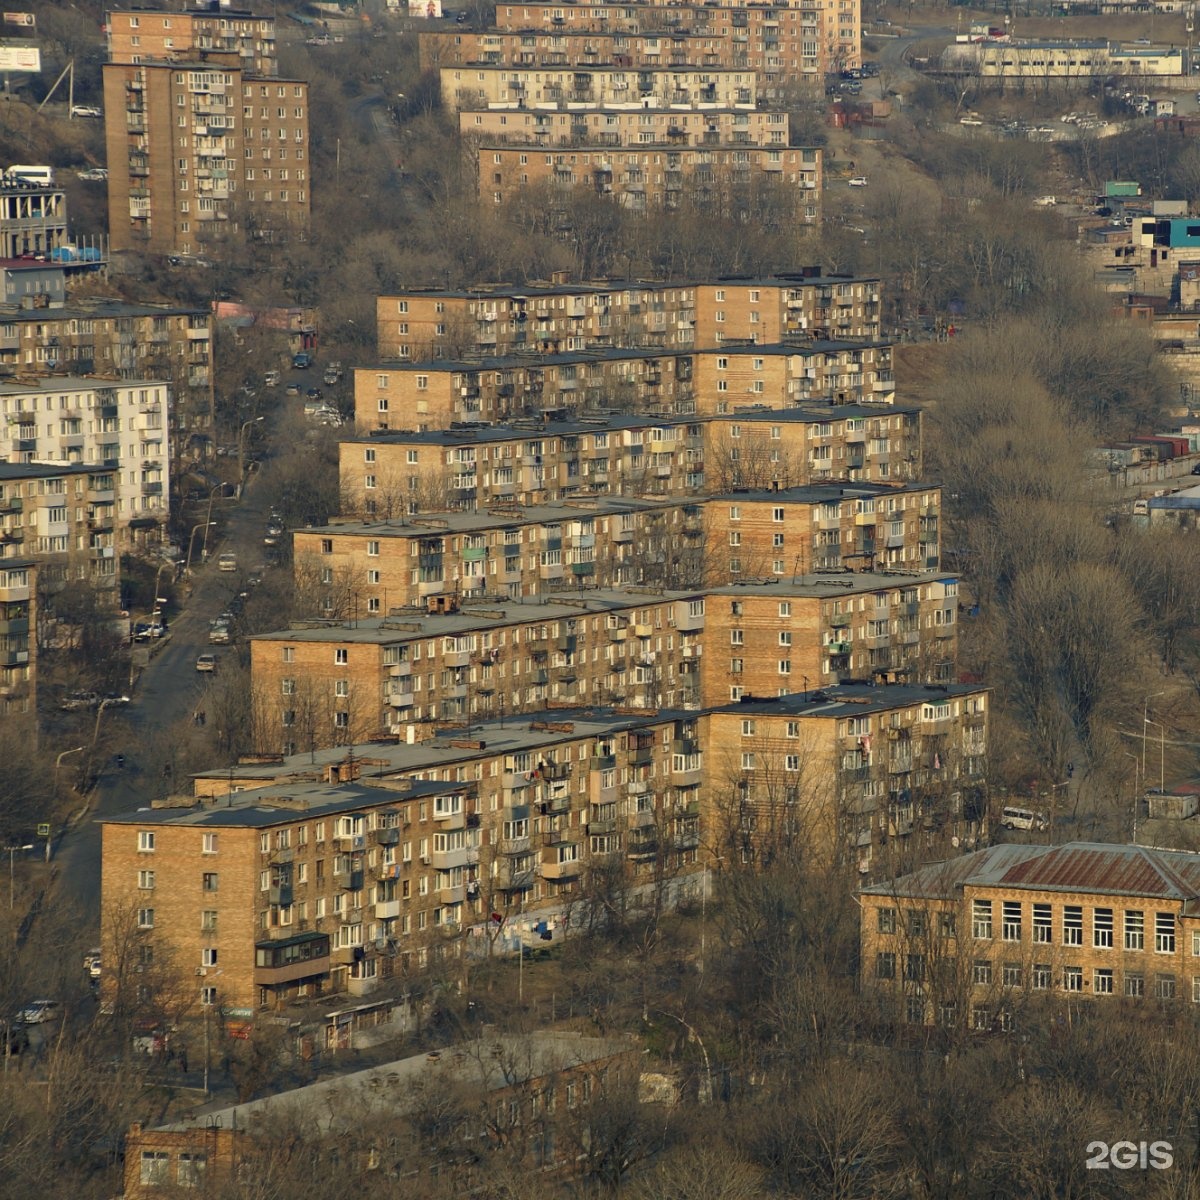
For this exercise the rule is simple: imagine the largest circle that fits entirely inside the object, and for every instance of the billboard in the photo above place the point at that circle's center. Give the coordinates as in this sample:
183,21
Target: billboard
17,18
20,58
427,9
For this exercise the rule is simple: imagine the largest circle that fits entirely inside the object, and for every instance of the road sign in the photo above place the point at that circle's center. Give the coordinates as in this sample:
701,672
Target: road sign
43,831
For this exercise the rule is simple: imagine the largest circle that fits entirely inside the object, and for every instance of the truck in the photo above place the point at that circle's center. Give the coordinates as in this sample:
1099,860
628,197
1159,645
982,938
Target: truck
31,174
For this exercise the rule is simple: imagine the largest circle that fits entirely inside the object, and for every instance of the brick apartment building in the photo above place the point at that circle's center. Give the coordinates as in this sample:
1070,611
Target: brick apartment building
765,637
18,634
513,552
385,850
652,175
116,427
326,684
971,941
561,316
877,776
64,517
481,87
129,341
824,527
205,143
784,43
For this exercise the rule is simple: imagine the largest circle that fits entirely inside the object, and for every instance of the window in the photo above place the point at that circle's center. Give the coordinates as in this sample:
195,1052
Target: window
145,841
208,957
1135,930
208,996
209,881
914,967
1011,974
208,920
1072,979
190,1172
1196,989
948,924
288,654
885,965
1072,925
1102,928
154,1167
981,919
146,880
145,918
372,549
887,920
1164,933
981,971
1102,981
1135,984
1010,926
1042,977
208,843
1042,924
915,920
1164,987
341,657
777,514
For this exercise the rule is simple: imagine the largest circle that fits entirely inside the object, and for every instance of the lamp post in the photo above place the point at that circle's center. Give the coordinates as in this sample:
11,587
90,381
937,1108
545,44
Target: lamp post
157,576
242,448
99,713
210,522
1162,751
57,764
192,542
1136,798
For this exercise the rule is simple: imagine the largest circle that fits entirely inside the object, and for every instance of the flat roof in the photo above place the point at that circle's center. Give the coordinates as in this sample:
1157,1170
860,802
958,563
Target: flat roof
91,310
450,522
343,1102
822,493
39,470
280,804
849,699
402,625
832,584
73,383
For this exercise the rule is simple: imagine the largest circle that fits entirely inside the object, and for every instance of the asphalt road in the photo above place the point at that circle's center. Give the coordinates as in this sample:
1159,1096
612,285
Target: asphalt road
168,691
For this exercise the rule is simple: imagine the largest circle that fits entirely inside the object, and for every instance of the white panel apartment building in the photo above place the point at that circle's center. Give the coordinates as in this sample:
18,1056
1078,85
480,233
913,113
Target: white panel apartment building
118,424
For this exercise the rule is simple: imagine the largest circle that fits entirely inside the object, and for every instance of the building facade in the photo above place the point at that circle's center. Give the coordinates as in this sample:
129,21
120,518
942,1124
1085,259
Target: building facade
18,635
971,942
117,428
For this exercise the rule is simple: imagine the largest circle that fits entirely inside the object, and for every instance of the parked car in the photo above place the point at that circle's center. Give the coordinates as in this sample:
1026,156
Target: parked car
38,1012
86,110
206,663
302,361
292,389
271,379
219,635
858,181
94,175
227,561
79,700
1045,202
969,120
331,376
91,962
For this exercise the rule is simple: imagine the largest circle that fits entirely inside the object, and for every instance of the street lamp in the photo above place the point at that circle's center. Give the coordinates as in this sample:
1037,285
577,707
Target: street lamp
1136,797
12,850
242,448
1162,752
99,713
192,542
212,493
57,764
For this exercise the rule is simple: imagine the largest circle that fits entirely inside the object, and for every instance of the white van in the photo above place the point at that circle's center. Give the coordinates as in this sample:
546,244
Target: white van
1023,818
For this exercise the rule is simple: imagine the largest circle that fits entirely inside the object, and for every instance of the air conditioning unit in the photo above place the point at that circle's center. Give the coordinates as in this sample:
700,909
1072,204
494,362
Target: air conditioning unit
201,971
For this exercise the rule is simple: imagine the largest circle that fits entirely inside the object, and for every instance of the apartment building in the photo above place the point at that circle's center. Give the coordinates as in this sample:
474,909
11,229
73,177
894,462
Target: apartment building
649,175
824,527
520,809
560,316
141,35
65,518
784,375
392,473
129,341
877,776
482,87
513,1084
202,152
970,941
764,637
18,632
631,126
545,317
769,449
356,568
492,390
116,427
787,307
326,684
785,43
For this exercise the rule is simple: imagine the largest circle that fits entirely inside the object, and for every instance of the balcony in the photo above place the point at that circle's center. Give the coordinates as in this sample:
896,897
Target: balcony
514,876
387,909
348,881
562,870
447,860
519,845
643,847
